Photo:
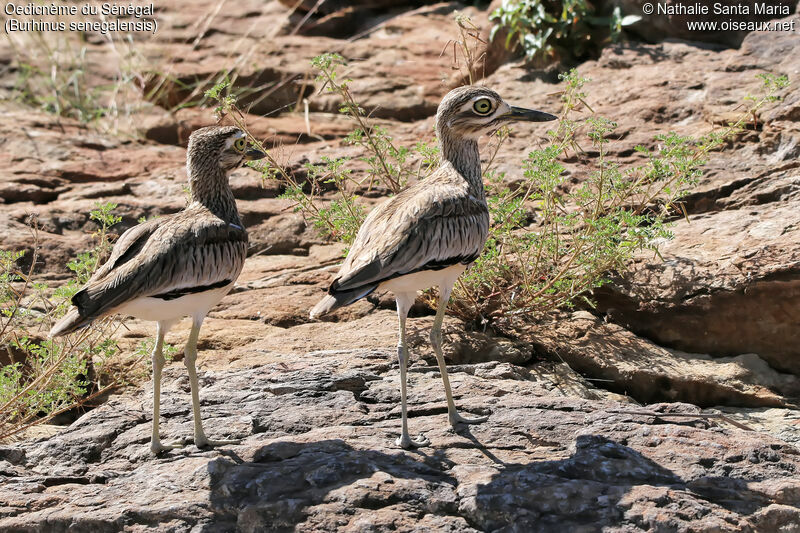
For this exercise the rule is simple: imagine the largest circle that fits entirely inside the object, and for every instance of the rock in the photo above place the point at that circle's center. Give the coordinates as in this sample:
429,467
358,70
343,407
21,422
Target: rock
286,129
326,433
741,263
637,367
778,422
567,445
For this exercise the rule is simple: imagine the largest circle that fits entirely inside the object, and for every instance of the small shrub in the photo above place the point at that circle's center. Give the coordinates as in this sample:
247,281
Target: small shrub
547,248
46,377
548,30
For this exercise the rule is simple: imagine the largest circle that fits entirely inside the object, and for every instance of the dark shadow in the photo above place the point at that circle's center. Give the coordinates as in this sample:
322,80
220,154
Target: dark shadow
585,491
464,431
284,482
275,490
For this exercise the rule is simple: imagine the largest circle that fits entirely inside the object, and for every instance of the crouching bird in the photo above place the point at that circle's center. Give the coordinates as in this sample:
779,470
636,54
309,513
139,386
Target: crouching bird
429,233
177,265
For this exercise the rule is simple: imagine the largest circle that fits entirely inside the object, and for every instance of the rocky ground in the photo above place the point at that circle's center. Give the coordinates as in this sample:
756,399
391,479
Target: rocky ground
579,436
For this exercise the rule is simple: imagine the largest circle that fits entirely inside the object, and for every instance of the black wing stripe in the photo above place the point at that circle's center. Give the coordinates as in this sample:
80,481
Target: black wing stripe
177,293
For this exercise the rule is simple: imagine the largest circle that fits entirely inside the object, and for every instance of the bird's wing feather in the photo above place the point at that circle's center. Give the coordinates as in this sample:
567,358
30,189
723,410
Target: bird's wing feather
126,247
430,225
185,251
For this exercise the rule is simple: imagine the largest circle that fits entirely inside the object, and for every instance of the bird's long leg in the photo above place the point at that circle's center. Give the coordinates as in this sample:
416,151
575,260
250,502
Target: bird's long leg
190,358
436,342
404,303
158,365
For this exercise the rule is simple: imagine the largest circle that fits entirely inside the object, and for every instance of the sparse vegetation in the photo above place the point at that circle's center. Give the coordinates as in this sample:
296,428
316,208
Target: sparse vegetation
54,72
389,166
42,378
549,248
549,245
107,84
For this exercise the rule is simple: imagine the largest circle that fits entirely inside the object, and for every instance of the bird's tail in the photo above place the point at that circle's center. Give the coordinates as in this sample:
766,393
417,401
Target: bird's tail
339,299
72,321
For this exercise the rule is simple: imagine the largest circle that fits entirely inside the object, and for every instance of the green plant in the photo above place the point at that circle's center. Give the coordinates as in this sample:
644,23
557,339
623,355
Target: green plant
387,163
221,93
550,29
85,263
45,377
341,217
548,248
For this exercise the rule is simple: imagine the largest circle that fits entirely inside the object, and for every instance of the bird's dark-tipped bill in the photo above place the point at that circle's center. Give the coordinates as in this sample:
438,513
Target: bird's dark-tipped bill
531,115
254,155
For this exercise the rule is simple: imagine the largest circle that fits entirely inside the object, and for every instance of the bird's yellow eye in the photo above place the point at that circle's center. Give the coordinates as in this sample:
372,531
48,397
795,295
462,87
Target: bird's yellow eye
239,144
482,106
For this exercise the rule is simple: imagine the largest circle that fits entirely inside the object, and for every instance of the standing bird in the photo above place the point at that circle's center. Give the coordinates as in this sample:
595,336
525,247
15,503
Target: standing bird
429,233
177,265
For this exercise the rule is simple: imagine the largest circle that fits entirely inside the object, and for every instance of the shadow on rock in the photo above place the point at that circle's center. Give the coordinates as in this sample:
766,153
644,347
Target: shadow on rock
602,484
329,484
320,484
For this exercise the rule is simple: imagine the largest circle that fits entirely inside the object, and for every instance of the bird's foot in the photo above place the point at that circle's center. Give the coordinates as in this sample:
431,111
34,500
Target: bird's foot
456,419
202,441
157,447
408,443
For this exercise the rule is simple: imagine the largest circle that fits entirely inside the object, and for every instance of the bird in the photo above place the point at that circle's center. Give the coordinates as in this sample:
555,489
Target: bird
177,265
428,233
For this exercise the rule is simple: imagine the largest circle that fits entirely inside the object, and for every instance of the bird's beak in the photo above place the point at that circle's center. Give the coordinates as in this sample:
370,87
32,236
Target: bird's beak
254,154
530,115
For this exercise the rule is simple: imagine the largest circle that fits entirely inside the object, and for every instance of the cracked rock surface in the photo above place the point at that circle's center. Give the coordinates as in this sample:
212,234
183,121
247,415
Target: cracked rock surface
671,407
317,454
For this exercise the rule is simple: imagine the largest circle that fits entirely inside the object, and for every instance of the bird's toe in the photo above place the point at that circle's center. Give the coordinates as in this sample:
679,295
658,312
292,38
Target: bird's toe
204,442
157,447
407,442
456,419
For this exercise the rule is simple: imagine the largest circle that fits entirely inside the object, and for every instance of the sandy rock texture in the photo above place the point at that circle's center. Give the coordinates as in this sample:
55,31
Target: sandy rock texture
669,407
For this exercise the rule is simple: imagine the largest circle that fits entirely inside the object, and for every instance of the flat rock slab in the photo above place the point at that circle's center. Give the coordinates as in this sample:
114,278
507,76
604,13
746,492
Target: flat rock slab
318,454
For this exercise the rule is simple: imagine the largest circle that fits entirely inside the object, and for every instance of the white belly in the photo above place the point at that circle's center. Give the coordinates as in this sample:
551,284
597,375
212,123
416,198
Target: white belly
423,279
156,309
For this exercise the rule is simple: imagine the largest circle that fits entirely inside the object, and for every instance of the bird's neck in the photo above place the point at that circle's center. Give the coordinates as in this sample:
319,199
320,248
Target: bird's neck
209,187
463,154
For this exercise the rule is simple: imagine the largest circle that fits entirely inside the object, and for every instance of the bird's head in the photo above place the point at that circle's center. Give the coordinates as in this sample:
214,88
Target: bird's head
222,146
472,111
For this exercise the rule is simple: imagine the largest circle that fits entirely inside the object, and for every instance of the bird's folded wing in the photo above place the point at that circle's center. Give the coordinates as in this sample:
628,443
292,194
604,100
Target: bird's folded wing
127,246
162,257
409,234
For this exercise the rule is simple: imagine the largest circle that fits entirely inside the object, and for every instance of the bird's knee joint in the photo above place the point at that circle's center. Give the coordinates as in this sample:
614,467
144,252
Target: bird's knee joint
189,359
436,339
402,353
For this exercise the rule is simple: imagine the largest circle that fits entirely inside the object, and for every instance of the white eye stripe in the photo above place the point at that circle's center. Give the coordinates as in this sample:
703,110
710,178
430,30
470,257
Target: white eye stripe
230,141
467,106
